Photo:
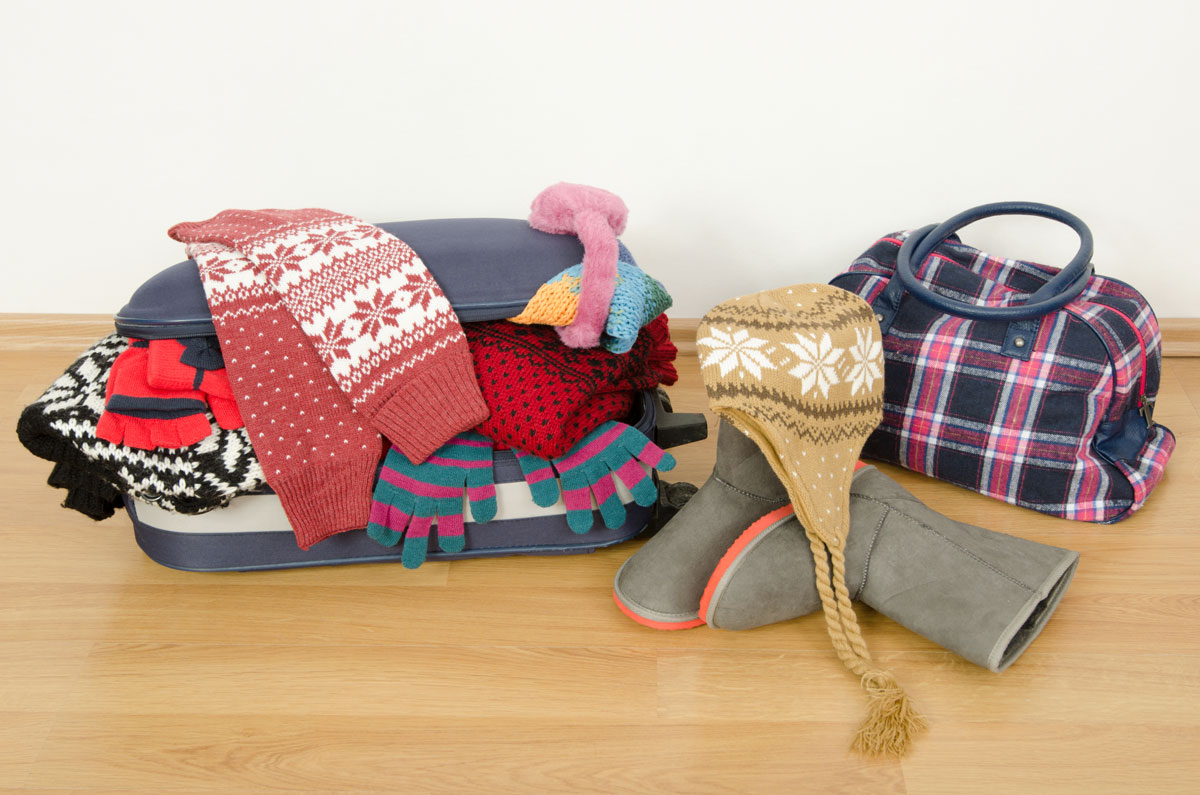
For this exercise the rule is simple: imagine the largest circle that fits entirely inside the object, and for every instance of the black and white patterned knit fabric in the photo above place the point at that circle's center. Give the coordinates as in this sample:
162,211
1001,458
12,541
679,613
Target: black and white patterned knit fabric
60,426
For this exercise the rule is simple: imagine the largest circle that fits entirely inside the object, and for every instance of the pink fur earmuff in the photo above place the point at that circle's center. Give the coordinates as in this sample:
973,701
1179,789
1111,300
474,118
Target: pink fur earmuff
596,217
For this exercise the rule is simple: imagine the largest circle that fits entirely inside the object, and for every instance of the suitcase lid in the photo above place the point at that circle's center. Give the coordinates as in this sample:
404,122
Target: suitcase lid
488,268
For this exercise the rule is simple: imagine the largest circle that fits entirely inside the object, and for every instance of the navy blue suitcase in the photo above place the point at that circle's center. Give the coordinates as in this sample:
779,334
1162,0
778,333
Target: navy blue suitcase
488,269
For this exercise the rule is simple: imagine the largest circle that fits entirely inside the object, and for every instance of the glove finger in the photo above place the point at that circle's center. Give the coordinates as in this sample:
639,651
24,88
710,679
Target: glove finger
600,480
216,384
645,450
416,542
378,525
390,520
108,428
473,452
539,476
163,368
481,492
164,434
392,488
451,535
226,412
612,510
183,432
383,536
136,435
124,362
577,497
399,503
397,518
639,484
590,447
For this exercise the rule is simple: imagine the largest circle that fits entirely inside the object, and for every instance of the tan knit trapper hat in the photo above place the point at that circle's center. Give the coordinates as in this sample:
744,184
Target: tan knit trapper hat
800,371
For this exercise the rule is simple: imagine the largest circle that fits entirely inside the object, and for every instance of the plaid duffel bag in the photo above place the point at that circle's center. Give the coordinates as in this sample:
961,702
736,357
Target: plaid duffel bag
1023,382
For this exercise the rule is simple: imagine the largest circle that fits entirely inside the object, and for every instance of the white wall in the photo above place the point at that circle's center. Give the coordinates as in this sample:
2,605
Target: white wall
756,144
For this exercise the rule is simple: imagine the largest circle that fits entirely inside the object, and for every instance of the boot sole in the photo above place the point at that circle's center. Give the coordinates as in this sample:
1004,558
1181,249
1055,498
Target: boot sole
651,618
669,622
728,563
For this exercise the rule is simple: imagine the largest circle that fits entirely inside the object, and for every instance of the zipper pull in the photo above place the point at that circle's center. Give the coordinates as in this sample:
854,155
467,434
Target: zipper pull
1146,409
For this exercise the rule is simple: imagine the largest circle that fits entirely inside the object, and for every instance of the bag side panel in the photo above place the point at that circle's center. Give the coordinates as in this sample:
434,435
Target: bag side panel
1148,467
1133,306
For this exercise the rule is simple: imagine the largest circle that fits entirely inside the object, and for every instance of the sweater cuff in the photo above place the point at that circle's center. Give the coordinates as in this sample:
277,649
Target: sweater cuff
430,408
321,501
87,493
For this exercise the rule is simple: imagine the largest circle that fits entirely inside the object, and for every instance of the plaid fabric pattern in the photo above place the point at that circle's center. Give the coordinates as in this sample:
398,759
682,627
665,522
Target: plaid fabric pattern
1025,432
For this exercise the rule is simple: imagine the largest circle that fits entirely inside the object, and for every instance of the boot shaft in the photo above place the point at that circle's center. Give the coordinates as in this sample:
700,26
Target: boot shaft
741,465
983,595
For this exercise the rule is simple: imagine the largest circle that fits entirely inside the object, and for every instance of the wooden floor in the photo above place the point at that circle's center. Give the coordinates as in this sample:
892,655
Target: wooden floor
520,675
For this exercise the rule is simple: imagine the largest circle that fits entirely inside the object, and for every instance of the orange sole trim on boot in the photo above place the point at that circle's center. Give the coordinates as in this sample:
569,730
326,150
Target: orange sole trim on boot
731,554
648,622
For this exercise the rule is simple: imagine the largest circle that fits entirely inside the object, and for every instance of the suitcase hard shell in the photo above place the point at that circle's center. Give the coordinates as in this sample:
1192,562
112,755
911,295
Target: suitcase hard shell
252,532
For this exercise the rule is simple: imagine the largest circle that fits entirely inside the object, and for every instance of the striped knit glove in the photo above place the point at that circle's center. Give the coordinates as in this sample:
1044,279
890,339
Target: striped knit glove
539,476
587,469
409,496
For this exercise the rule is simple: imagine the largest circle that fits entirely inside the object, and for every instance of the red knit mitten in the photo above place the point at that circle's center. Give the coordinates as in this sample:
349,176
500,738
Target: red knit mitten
173,365
139,415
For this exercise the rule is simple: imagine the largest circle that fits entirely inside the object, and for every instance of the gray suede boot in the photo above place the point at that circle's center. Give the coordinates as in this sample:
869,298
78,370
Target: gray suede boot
981,594
660,586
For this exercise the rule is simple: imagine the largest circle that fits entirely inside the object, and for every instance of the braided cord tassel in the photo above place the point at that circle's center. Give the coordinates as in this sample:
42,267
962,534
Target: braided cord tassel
892,722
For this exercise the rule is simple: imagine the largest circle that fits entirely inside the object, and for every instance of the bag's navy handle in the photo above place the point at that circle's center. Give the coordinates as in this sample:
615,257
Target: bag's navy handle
1059,291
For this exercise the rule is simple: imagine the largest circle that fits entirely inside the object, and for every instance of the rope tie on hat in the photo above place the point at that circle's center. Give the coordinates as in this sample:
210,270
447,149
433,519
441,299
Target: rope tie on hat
892,721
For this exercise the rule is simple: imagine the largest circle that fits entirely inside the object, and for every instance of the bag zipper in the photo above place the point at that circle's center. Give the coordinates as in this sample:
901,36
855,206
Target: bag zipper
1145,406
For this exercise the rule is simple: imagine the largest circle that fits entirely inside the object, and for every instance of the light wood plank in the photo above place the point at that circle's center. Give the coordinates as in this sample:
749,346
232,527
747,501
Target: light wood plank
462,682
1071,755
405,754
22,735
1181,336
710,684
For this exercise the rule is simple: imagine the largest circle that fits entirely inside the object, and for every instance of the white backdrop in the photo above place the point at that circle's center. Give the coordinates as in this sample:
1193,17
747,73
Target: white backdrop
756,144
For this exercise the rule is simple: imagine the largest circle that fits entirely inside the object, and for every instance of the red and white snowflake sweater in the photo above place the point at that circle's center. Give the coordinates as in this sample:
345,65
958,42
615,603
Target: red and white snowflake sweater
317,453
376,316
310,308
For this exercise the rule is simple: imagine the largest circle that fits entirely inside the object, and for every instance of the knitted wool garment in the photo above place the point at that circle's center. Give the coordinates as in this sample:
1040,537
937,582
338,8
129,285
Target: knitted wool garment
544,397
596,217
556,302
319,454
376,316
800,371
61,426
636,301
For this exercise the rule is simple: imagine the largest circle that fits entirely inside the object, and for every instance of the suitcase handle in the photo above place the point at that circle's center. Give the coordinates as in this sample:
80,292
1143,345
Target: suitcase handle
1059,291
673,430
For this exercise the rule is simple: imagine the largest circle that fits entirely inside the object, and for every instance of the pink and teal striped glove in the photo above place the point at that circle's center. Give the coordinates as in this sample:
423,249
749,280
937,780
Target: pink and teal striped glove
409,496
614,448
